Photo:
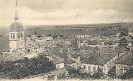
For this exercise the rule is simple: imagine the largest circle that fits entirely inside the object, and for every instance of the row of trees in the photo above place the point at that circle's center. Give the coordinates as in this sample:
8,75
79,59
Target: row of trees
26,67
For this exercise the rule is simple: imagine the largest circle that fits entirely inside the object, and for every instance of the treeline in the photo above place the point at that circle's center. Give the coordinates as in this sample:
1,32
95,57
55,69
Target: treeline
26,67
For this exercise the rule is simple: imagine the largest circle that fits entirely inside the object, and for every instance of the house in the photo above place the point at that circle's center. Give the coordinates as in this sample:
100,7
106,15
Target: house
83,36
104,61
55,58
70,63
124,63
76,58
103,38
58,61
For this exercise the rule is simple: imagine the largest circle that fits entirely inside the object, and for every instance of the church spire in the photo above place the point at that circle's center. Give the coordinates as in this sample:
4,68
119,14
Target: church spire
16,13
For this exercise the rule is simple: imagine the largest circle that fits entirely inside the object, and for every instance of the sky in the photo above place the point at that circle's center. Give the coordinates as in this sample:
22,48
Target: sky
64,12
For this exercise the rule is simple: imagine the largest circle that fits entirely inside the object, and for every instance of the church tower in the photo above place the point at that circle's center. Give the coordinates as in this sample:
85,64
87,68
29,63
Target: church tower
16,34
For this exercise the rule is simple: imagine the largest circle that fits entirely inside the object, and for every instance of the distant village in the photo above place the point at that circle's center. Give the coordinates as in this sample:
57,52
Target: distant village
99,56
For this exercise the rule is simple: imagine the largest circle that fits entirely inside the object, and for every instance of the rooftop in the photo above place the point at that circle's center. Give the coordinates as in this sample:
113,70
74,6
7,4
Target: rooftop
69,61
99,59
127,59
16,26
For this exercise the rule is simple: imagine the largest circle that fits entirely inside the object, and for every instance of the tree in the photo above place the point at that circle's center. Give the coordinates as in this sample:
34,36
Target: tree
77,74
26,67
112,72
128,74
124,32
123,42
98,74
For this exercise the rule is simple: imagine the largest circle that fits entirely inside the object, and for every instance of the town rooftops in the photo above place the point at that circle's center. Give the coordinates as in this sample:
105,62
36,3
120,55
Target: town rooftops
127,59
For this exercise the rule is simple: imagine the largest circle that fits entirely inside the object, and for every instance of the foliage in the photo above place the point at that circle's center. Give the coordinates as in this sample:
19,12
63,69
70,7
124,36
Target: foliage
123,42
26,67
128,74
99,74
112,72
77,74
124,32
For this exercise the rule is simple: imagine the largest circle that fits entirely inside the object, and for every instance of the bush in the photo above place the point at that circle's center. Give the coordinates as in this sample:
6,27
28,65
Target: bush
26,67
112,72
98,75
128,74
77,74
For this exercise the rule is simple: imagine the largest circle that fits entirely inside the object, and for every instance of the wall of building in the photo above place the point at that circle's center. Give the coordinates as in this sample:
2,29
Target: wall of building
121,69
16,40
90,68
109,65
12,45
60,66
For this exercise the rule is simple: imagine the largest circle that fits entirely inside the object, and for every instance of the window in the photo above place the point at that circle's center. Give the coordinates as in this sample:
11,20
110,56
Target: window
125,68
94,68
84,67
89,68
13,35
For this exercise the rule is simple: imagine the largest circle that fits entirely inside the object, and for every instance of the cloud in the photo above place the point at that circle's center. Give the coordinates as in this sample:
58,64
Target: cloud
62,14
32,12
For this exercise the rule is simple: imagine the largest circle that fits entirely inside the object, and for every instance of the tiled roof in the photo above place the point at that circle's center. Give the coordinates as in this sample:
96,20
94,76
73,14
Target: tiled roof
108,43
68,67
94,42
120,49
74,56
16,26
127,59
99,59
69,61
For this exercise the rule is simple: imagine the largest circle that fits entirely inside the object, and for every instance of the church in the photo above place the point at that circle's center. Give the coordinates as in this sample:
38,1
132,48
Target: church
16,34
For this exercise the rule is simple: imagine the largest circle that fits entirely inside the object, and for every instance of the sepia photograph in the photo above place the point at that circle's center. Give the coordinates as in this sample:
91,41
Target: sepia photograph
66,40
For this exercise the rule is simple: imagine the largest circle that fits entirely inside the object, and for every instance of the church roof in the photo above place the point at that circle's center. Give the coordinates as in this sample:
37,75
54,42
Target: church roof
16,26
